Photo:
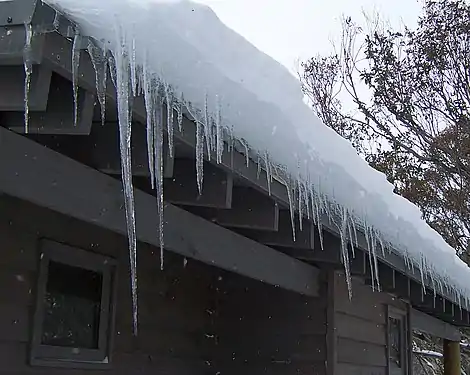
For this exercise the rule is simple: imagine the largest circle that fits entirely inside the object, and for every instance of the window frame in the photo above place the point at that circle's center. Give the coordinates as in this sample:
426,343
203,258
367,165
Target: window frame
402,316
55,356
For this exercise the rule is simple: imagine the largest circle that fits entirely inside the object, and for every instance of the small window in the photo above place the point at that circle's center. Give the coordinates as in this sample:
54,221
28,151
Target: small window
397,342
73,309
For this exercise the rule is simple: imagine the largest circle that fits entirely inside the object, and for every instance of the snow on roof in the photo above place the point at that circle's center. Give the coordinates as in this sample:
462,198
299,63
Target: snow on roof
234,87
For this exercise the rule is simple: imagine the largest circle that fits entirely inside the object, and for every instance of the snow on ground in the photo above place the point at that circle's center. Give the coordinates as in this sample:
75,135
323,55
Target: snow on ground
181,48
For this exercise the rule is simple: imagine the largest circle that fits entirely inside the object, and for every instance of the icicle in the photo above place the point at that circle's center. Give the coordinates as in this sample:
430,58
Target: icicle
207,127
258,162
169,116
112,70
149,92
180,113
125,131
311,207
247,154
231,145
199,155
355,233
56,22
133,67
421,273
219,134
28,70
300,202
368,242
344,251
353,252
307,198
99,61
374,257
75,67
291,207
319,223
268,171
158,147
382,245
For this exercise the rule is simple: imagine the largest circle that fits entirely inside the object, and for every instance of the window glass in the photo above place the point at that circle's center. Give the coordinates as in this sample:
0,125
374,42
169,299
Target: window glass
72,305
395,341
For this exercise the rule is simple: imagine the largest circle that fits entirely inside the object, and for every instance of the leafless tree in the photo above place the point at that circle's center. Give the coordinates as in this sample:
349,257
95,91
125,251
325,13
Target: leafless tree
410,95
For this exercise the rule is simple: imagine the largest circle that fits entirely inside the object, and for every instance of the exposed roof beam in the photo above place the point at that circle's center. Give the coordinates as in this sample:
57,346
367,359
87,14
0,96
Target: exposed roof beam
250,209
425,323
37,174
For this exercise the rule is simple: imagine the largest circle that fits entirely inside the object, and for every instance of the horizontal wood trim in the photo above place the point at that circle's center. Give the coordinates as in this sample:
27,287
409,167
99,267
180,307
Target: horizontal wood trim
360,353
359,329
13,357
178,344
348,369
425,323
275,368
276,327
372,312
269,347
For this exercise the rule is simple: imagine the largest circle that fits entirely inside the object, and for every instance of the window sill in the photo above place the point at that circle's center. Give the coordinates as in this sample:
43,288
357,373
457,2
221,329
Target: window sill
73,364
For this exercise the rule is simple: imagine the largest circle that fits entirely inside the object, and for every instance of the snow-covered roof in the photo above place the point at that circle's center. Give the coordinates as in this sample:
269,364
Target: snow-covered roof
235,89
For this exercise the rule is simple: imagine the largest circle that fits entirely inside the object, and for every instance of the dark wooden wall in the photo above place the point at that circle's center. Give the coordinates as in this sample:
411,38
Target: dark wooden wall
194,319
267,330
361,333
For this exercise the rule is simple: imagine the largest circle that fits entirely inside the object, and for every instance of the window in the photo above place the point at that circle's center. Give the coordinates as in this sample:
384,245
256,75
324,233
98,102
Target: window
397,342
73,308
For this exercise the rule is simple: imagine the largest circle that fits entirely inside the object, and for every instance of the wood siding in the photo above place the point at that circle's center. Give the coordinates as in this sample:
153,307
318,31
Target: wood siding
361,334
194,319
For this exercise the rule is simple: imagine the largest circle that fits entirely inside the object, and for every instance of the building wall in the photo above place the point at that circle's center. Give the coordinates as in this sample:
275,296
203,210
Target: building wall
194,319
361,328
267,330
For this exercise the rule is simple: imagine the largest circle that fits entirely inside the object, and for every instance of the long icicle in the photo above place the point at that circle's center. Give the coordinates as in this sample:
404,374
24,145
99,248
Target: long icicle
28,70
149,91
345,252
219,134
158,147
125,132
318,215
268,171
199,155
75,67
180,107
291,206
100,64
207,127
169,117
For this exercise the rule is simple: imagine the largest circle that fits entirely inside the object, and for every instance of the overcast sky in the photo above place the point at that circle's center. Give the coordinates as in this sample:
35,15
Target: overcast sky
289,30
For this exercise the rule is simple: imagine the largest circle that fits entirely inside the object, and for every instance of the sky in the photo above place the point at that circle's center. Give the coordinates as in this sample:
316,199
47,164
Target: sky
293,30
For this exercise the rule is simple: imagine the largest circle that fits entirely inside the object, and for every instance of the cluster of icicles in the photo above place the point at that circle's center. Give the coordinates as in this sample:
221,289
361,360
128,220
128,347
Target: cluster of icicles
132,80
